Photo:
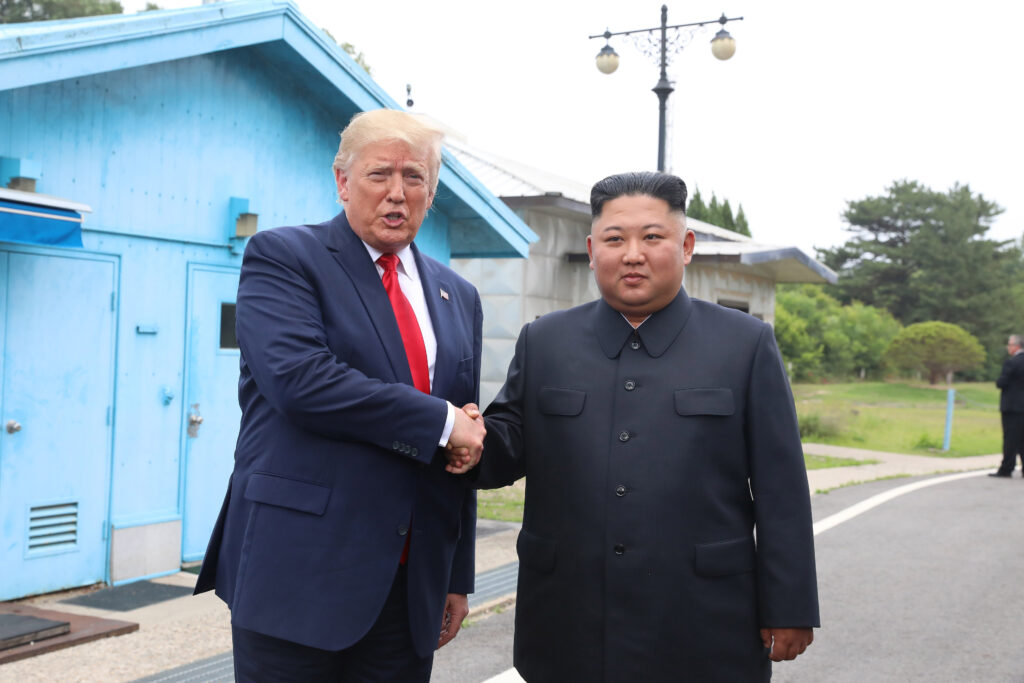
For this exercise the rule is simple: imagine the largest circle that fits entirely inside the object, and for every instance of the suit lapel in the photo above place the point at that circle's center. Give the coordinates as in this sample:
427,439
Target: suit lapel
442,318
349,251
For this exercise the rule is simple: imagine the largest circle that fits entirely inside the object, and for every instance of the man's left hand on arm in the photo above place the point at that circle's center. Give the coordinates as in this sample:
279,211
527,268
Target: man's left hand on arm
456,607
786,643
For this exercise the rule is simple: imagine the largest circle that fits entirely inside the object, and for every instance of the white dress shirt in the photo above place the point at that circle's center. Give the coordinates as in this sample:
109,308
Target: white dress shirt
412,288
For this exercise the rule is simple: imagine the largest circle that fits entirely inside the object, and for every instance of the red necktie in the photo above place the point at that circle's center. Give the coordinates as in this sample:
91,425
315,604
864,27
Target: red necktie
412,339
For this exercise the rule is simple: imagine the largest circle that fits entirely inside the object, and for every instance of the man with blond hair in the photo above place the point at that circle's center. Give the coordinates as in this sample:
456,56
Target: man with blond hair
345,545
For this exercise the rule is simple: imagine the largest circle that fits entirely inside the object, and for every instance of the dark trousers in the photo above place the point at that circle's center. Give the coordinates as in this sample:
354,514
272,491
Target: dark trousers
1013,441
384,654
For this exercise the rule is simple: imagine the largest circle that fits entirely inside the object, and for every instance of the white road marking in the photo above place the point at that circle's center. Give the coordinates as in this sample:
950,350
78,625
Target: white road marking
874,501
512,676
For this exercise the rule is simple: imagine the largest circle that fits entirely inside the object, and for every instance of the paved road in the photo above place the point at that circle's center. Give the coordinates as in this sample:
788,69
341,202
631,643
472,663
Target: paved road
928,586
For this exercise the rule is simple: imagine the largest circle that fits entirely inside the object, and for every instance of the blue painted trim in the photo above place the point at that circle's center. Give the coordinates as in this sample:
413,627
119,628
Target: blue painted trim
158,238
136,579
191,268
495,212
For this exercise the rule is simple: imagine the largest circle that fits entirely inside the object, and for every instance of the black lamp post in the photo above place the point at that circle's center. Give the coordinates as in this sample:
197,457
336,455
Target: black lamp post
722,46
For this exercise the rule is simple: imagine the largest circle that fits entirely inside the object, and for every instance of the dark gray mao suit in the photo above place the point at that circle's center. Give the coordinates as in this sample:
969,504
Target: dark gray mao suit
650,457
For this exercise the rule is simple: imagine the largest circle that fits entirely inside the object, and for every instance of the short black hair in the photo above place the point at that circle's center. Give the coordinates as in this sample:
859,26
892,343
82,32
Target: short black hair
663,186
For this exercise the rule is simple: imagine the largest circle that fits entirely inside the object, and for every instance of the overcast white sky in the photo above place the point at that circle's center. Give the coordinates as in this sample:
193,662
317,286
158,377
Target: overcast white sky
822,103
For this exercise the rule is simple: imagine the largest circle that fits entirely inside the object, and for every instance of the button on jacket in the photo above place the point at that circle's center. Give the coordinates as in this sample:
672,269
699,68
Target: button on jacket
650,456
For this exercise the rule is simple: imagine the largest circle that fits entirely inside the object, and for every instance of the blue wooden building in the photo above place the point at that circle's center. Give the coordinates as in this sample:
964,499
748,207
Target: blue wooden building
137,153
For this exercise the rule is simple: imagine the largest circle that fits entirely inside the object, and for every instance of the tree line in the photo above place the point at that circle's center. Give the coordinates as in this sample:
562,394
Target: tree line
717,213
921,289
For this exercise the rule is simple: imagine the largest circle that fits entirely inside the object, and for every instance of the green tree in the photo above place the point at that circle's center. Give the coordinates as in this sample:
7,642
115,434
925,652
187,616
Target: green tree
923,255
716,213
801,352
822,338
697,208
741,222
936,348
725,217
18,11
869,330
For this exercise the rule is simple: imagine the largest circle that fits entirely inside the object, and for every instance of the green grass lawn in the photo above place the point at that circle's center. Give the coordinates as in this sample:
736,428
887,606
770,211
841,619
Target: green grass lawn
820,462
900,417
504,504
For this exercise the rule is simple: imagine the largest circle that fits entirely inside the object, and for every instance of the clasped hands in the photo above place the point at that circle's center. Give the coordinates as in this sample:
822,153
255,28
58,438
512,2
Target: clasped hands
466,443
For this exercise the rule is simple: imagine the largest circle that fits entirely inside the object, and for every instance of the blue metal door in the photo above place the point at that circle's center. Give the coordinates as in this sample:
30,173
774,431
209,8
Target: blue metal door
57,336
211,407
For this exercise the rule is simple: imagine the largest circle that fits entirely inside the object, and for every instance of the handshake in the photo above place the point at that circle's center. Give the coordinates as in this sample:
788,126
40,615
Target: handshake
466,443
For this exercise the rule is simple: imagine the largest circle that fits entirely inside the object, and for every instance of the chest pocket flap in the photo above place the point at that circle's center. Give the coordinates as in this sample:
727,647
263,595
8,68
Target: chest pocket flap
705,401
554,401
303,496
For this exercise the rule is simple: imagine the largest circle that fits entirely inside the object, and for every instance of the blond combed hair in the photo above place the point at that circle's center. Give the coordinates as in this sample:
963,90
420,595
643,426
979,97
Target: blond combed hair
387,125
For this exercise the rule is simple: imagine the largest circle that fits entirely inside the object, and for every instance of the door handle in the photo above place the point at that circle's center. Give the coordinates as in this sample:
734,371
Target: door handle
13,426
194,420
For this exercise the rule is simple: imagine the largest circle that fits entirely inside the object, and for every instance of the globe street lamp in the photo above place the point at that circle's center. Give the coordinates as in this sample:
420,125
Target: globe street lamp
723,46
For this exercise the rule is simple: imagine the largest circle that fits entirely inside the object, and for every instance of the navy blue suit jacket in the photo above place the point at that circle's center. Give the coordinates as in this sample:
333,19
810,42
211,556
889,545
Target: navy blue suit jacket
337,455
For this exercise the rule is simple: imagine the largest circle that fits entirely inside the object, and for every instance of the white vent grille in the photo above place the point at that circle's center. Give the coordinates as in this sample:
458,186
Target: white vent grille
52,527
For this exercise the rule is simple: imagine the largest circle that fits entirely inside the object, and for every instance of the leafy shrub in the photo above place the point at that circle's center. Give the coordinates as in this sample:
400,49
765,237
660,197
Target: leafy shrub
814,425
926,442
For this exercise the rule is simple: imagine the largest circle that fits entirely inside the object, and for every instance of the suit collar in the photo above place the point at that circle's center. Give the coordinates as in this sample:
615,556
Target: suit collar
351,253
348,250
441,304
656,334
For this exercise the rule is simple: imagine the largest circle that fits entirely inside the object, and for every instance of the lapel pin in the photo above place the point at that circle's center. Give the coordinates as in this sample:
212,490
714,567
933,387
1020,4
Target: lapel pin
444,295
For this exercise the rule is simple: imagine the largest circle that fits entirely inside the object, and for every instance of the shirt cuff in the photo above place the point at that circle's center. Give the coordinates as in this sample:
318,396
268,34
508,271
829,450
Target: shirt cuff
449,425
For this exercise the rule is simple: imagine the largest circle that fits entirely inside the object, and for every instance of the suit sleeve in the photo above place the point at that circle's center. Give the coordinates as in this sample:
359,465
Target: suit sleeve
786,577
284,345
503,462
1003,381
464,563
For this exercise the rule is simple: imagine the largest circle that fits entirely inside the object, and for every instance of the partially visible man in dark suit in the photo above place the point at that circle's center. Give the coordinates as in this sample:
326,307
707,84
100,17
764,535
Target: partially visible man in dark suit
656,434
344,549
1011,408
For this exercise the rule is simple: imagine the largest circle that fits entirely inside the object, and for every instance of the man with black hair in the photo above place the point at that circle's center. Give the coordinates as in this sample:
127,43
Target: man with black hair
656,434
